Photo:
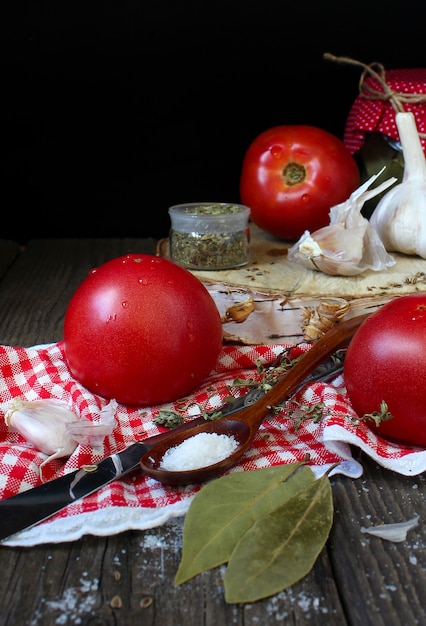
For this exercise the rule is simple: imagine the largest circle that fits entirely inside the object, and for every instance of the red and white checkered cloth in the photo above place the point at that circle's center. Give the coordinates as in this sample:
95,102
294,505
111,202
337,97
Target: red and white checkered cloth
139,502
378,115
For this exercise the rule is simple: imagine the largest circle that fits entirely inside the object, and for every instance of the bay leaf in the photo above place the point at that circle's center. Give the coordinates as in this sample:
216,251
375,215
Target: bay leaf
224,509
282,546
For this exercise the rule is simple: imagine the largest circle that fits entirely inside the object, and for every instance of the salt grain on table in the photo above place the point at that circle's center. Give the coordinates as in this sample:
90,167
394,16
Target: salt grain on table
198,451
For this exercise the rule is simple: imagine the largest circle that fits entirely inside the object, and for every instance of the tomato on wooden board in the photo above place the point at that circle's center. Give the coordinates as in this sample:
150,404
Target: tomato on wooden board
386,361
291,177
142,330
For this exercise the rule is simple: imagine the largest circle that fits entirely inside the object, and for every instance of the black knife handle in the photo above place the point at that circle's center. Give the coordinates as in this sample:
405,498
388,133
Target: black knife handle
34,505
37,504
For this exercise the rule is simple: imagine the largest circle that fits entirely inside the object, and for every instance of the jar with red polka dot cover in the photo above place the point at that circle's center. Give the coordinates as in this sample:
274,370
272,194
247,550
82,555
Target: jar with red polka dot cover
371,134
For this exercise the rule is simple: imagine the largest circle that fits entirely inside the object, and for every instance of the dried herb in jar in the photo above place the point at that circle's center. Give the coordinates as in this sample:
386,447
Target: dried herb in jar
209,236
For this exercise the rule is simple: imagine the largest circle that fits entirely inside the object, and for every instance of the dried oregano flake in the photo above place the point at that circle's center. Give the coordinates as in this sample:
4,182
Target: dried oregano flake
210,250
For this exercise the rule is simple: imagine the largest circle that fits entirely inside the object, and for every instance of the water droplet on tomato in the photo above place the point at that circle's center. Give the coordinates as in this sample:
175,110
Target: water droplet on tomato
111,318
276,151
306,197
124,304
142,281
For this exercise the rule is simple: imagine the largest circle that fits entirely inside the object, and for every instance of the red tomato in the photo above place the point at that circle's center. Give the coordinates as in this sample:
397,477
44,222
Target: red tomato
291,177
142,330
386,361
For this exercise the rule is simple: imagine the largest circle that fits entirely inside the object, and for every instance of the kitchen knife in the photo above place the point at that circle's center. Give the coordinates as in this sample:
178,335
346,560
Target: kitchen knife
39,503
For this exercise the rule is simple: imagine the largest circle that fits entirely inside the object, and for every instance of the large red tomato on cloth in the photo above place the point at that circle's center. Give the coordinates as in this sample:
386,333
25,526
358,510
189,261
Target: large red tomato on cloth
386,362
291,177
142,330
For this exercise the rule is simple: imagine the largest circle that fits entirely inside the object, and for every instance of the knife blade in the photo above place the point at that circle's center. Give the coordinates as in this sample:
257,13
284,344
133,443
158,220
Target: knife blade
37,504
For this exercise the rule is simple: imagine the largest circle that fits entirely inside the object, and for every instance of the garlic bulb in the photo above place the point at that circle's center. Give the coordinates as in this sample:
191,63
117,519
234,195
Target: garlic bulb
400,216
349,245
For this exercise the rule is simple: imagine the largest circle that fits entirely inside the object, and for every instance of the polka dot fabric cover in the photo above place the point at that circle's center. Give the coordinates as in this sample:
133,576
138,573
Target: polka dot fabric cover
379,115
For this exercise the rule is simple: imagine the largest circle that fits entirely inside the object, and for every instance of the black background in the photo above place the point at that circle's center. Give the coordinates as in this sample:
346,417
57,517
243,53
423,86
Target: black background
113,111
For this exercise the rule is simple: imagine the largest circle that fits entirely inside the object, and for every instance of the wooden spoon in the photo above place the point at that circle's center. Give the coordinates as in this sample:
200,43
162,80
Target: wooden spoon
244,425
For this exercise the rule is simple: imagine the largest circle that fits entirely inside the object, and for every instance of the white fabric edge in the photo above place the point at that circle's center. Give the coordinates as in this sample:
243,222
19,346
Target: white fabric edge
102,523
114,520
411,464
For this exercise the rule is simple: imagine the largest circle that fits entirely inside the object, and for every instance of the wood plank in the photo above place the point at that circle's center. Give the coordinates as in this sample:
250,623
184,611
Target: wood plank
130,576
41,282
9,252
380,582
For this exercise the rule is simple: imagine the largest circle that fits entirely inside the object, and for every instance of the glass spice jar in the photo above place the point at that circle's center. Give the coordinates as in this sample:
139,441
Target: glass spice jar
209,235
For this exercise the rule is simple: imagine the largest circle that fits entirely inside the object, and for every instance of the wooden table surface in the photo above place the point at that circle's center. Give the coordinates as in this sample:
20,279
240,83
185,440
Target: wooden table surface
127,579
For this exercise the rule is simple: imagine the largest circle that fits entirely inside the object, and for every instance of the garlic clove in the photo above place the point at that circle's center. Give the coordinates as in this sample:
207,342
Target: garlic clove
53,428
43,424
333,249
349,245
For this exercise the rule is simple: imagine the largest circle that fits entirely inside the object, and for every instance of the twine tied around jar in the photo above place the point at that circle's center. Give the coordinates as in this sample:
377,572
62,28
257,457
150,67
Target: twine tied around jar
377,71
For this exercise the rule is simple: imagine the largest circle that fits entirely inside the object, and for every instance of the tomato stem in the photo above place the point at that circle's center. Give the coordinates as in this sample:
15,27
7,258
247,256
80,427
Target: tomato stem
294,174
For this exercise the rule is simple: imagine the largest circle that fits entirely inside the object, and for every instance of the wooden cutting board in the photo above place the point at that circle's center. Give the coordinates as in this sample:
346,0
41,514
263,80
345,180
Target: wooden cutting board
292,303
